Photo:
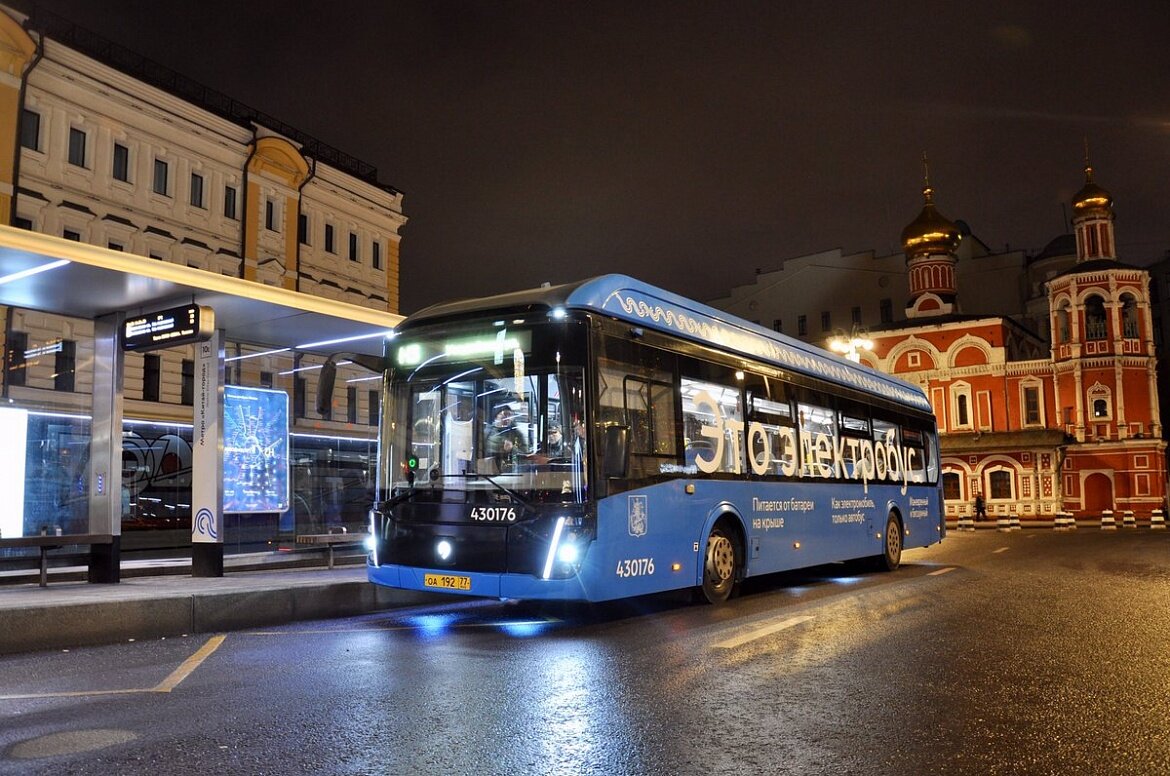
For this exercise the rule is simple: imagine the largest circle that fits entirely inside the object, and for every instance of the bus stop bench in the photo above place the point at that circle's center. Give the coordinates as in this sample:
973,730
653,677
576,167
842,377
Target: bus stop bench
46,542
331,540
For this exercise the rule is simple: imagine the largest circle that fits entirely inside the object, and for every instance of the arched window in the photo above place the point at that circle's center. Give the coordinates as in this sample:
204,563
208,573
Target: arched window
964,414
1100,402
1129,317
1063,334
1095,328
1000,482
951,486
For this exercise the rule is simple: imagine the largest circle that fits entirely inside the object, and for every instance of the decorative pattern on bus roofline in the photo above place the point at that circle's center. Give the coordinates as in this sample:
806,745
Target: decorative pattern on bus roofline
763,347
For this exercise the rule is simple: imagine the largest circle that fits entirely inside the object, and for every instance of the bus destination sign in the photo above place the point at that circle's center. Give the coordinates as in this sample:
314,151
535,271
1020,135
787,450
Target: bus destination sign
167,328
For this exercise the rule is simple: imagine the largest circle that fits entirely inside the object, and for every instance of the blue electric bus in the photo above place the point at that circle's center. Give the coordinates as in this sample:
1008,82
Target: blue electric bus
606,438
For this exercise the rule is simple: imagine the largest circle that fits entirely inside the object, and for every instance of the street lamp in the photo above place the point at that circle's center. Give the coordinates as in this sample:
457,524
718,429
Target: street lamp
850,346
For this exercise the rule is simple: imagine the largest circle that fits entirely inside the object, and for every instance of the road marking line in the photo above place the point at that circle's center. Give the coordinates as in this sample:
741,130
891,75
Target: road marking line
760,631
70,694
189,665
166,685
1001,549
941,571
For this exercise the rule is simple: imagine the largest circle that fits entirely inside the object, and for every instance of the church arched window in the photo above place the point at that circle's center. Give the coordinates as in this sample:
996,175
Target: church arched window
1129,317
1095,328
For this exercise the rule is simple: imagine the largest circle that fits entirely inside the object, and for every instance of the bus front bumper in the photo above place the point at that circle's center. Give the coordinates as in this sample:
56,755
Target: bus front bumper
518,586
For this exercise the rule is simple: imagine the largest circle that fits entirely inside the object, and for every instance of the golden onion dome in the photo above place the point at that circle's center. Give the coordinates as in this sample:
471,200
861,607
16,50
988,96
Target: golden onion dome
931,234
1092,199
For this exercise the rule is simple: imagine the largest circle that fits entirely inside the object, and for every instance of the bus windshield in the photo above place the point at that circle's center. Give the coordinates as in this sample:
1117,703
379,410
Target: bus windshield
490,415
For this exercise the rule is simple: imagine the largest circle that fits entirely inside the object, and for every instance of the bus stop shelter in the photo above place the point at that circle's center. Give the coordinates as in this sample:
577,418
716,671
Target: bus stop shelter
53,275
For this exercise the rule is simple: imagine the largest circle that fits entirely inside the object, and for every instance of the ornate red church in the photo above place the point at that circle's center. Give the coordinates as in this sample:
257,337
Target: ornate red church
1037,426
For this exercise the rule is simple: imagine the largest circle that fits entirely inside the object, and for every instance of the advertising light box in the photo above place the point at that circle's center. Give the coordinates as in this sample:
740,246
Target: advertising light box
255,450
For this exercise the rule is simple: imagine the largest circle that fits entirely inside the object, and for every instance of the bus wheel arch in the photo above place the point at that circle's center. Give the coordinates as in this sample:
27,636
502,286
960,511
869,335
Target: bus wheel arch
722,561
893,539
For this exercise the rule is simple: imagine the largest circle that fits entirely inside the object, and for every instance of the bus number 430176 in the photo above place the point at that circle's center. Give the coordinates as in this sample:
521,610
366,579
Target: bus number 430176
637,567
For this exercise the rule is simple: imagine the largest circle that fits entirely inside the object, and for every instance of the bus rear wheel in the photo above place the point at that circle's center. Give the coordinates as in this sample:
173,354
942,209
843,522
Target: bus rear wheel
720,565
891,556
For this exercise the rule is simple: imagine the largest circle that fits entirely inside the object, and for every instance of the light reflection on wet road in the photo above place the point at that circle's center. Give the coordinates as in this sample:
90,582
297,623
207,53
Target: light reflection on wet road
1030,652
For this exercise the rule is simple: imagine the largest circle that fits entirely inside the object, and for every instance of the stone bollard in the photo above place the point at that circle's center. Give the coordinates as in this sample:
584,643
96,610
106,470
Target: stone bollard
1128,520
966,523
1157,521
1003,523
1014,521
1107,521
1060,522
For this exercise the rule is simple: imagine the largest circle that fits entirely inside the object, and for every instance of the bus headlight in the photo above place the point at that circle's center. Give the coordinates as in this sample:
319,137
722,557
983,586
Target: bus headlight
568,553
566,548
444,549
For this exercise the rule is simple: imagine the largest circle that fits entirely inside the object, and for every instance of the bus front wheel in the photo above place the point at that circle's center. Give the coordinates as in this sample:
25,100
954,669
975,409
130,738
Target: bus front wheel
720,565
891,556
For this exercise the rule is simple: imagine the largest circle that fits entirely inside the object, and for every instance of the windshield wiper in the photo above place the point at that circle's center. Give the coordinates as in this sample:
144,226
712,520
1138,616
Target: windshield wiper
513,494
415,489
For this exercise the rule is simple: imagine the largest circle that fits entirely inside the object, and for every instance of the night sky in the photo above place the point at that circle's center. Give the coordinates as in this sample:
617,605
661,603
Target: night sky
689,143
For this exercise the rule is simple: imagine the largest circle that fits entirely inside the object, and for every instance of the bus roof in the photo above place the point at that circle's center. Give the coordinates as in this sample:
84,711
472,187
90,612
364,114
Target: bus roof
628,299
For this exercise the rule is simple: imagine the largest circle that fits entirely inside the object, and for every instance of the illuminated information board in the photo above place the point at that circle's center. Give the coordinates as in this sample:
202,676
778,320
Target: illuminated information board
167,328
255,450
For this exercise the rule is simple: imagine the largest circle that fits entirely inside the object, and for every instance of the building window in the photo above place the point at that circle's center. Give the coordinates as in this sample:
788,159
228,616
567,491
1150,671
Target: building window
826,321
30,130
960,406
376,254
1129,319
187,388
777,324
351,407
303,229
70,234
265,379
22,223
270,215
121,166
374,403
1000,482
76,147
229,202
1062,330
1100,402
353,247
17,365
1032,405
855,316
886,310
298,397
65,366
196,189
329,239
151,376
115,246
801,325
951,486
1095,328
161,174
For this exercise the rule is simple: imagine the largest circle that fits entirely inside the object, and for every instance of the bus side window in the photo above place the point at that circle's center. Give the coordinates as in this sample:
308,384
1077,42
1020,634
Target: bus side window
915,451
771,433
713,427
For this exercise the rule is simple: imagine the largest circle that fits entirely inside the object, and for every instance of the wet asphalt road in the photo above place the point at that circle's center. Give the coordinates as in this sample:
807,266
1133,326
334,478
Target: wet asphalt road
1033,652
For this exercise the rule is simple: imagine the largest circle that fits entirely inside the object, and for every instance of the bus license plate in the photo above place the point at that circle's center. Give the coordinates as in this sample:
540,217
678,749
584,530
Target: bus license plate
447,581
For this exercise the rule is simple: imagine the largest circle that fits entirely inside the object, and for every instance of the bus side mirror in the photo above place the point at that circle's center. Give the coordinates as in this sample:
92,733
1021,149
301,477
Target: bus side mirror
616,457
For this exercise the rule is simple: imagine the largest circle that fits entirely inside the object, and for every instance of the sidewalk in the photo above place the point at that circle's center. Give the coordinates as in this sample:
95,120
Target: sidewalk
161,598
